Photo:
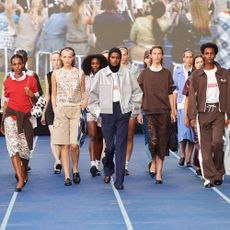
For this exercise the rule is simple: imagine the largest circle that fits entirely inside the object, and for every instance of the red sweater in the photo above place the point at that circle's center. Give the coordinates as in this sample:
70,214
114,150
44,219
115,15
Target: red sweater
15,93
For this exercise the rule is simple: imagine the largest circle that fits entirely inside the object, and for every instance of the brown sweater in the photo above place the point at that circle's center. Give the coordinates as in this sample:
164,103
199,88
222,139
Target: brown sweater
156,87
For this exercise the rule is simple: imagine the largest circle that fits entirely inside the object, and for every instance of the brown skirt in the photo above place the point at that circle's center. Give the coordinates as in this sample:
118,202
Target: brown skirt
158,130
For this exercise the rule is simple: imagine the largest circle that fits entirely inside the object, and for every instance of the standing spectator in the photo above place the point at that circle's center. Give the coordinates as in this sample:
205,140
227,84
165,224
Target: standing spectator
53,33
223,37
28,30
188,29
78,22
19,90
91,65
157,85
209,99
115,96
132,121
148,31
110,36
67,93
8,21
185,135
48,114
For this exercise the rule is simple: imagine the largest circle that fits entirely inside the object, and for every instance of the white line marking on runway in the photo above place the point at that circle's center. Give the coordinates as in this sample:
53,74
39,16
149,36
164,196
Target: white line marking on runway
12,201
122,207
222,195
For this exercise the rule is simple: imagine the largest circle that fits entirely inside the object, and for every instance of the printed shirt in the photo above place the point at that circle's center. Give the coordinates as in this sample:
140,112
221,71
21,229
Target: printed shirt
213,92
68,87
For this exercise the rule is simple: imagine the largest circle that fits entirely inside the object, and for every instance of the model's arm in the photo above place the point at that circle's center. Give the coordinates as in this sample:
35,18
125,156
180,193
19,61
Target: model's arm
54,91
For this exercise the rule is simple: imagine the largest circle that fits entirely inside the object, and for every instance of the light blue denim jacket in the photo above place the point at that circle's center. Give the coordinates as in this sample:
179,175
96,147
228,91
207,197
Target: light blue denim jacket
101,94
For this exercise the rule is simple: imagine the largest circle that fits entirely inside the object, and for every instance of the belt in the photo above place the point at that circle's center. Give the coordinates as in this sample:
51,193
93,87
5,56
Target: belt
211,107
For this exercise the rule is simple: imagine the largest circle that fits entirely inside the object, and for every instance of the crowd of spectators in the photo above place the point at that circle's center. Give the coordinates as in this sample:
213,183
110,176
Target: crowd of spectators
93,26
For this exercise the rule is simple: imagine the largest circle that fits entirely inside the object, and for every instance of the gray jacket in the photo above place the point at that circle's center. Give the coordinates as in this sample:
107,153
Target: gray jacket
101,94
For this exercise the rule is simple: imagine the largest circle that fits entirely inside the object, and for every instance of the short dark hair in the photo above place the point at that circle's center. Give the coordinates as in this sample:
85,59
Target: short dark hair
16,56
157,47
209,45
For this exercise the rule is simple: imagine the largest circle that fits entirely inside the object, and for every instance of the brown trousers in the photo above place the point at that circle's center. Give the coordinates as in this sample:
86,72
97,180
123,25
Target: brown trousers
211,134
158,130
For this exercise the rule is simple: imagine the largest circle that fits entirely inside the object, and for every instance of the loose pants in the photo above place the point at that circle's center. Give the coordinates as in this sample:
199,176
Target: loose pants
115,131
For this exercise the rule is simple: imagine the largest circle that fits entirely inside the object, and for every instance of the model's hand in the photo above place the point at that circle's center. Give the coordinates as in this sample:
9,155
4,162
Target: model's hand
227,122
173,117
43,120
29,92
193,123
140,118
186,121
1,130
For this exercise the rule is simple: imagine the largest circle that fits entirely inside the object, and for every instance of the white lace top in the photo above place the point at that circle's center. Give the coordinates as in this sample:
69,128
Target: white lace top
68,87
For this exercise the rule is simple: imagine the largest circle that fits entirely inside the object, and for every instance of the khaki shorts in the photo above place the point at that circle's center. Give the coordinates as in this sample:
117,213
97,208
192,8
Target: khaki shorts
65,126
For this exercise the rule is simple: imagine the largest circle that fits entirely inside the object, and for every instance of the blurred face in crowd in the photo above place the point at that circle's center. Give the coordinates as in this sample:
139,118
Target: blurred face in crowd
188,59
67,58
198,62
156,56
114,59
56,61
95,65
209,56
17,66
147,60
124,56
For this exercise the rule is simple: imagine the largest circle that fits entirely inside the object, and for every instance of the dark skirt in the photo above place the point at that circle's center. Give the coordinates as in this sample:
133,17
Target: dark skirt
49,114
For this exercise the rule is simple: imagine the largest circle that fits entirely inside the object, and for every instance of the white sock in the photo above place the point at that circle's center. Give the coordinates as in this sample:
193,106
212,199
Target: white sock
92,163
97,164
126,164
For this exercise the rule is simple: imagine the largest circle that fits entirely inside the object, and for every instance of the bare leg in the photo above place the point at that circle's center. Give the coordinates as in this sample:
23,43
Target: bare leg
16,161
131,130
75,157
159,169
65,160
55,149
190,150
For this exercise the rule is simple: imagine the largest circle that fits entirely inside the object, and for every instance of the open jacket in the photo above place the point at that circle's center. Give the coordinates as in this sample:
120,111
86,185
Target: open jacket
101,94
198,88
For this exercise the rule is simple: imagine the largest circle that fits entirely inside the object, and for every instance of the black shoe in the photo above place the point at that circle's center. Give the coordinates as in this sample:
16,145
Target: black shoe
152,174
68,182
218,182
198,172
98,173
58,169
28,168
126,172
76,178
107,179
181,161
18,189
159,182
25,182
188,164
209,185
149,165
119,186
93,170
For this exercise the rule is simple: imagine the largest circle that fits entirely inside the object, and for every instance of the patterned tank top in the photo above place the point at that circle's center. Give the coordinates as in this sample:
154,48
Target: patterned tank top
68,87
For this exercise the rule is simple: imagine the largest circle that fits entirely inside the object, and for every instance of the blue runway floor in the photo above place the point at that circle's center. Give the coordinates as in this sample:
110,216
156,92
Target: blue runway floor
45,203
